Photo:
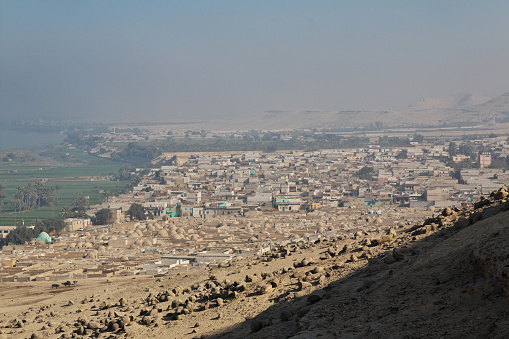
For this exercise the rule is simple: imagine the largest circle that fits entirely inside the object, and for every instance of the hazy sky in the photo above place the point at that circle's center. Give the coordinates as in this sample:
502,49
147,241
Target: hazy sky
159,60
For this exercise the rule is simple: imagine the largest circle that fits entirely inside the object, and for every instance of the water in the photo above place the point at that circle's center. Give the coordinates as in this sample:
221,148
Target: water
28,139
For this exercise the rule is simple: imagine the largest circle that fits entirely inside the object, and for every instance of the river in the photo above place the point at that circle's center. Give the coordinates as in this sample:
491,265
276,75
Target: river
10,139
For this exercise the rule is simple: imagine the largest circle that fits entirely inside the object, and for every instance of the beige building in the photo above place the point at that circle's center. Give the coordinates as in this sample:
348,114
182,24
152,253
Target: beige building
484,159
74,224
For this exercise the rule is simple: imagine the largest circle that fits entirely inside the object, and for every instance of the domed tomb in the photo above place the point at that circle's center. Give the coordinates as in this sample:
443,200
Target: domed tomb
44,237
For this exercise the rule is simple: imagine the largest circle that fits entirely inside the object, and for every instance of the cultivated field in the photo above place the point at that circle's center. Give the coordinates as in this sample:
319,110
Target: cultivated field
74,172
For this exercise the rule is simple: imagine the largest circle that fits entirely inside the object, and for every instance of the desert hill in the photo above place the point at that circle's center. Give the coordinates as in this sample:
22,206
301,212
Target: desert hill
444,277
469,109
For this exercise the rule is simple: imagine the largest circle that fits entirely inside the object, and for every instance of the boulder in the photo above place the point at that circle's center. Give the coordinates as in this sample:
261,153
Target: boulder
316,296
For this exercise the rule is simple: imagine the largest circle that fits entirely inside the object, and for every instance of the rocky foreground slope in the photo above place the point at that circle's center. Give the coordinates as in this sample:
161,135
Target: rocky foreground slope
446,277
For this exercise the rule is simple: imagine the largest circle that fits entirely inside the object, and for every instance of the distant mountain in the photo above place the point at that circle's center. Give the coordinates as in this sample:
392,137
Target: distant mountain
461,100
498,104
467,109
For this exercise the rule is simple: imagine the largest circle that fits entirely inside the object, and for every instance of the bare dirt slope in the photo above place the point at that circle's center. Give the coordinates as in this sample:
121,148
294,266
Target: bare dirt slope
446,277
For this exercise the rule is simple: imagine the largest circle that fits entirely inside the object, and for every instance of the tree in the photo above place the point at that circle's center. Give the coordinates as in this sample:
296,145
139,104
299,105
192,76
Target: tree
80,205
2,197
103,216
65,212
32,195
51,225
20,235
366,173
418,138
124,173
453,149
403,154
137,212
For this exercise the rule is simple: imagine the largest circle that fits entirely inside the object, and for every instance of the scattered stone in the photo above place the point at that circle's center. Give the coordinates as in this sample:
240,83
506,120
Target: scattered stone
304,285
303,311
94,325
256,325
380,241
316,296
389,259
265,289
286,315
318,269
444,277
250,278
307,261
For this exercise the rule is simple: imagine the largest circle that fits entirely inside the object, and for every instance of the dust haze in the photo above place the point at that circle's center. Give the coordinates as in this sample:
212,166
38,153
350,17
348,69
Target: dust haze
170,61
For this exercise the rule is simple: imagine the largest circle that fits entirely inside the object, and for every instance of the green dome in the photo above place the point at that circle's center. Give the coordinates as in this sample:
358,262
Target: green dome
44,237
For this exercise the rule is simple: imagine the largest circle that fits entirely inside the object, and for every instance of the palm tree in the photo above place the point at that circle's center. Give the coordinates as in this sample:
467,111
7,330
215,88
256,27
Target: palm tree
2,197
107,195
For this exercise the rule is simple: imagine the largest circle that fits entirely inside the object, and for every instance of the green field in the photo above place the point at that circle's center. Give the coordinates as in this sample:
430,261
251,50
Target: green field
73,176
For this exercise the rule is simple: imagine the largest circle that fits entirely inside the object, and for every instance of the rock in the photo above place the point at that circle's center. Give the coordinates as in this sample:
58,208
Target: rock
318,269
461,223
175,303
398,255
307,261
256,325
353,258
303,285
501,194
125,321
380,241
375,261
423,230
265,289
475,217
444,277
346,249
321,279
275,283
447,212
113,326
316,296
94,325
286,315
80,330
250,278
392,233
389,259
303,311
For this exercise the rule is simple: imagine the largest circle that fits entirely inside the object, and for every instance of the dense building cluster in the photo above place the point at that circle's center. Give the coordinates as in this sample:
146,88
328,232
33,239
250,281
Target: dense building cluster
208,208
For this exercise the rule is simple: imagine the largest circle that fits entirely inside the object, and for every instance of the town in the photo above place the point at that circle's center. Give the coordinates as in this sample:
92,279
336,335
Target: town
208,208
